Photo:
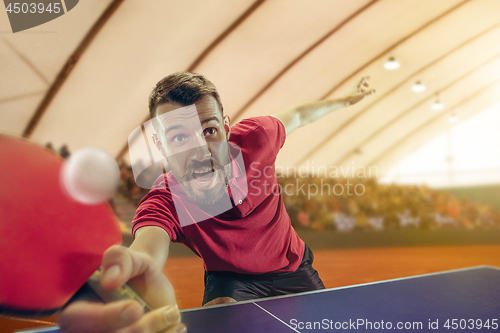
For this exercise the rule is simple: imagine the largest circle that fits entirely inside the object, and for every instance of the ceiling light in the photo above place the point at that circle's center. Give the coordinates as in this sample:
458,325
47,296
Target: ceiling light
453,118
391,64
437,105
418,87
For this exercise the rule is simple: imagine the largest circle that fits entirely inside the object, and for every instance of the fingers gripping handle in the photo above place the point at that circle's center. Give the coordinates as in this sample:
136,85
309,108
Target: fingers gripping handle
124,292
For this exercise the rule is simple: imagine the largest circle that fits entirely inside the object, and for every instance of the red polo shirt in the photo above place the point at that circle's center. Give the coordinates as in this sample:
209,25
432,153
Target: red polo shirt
254,235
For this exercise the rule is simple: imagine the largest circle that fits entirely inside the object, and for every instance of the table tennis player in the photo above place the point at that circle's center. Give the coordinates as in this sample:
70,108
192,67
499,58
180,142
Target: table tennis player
221,199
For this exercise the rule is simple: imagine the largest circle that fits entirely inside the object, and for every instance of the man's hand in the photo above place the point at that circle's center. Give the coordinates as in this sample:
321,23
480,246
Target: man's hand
358,92
121,265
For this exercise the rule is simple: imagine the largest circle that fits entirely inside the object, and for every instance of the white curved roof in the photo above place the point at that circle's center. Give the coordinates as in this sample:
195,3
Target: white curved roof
84,78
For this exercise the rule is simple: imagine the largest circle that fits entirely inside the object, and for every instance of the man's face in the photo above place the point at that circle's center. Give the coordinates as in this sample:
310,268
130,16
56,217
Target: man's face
194,141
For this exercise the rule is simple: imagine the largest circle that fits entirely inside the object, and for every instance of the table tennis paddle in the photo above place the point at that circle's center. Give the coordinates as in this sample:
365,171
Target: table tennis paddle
51,244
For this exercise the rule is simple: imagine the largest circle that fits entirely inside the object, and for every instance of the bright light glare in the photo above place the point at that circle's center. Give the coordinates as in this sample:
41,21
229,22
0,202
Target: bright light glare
418,87
437,105
391,64
453,118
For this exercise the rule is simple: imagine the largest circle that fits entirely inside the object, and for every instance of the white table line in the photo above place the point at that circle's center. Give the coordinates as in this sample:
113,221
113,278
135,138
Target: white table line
275,317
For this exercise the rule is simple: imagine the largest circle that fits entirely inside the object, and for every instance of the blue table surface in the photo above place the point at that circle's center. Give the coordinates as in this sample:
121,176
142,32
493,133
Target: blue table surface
424,302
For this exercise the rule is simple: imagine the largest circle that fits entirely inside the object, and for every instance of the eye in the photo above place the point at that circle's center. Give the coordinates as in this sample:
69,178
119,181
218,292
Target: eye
210,131
178,138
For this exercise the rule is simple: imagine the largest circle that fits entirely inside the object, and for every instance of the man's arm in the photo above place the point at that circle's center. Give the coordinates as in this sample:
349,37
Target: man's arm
154,241
307,113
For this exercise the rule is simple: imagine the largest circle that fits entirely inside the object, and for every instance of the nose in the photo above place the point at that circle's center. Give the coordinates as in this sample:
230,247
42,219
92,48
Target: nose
201,150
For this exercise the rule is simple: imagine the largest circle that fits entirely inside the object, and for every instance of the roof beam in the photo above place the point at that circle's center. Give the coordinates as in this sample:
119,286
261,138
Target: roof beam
27,61
223,35
390,48
377,159
207,51
356,73
22,96
68,67
407,111
299,58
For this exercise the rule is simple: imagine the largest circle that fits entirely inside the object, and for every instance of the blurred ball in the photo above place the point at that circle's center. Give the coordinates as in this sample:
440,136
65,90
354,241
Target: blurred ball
90,176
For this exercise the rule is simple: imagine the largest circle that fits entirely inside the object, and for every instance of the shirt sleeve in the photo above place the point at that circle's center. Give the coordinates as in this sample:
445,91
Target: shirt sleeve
275,130
157,209
264,133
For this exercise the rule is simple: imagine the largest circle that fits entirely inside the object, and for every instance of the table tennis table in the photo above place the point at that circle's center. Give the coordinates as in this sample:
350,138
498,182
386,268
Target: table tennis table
463,300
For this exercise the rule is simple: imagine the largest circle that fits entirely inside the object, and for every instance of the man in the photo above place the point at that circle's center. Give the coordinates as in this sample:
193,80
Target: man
220,199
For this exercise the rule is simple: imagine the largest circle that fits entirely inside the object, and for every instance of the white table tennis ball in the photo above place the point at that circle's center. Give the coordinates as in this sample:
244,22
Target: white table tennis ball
90,176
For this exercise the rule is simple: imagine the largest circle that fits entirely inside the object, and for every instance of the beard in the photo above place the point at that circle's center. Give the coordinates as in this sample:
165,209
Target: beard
209,196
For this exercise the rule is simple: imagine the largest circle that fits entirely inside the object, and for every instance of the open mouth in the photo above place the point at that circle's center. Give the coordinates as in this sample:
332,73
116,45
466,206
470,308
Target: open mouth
203,175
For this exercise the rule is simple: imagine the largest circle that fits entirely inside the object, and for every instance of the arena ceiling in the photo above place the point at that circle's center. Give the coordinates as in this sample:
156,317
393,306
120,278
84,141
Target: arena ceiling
83,79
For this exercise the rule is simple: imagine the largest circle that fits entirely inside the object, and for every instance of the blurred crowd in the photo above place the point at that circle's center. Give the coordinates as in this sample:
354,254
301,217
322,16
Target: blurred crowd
382,206
362,204
128,187
63,150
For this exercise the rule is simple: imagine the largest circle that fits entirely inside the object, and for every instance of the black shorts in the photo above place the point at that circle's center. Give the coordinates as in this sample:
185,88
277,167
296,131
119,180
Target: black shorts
248,286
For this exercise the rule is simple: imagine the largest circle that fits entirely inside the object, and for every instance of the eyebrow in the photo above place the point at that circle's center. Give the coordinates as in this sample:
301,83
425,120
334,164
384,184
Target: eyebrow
173,128
204,121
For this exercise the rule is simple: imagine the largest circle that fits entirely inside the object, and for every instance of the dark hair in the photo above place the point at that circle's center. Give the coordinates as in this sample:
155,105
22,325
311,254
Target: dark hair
184,88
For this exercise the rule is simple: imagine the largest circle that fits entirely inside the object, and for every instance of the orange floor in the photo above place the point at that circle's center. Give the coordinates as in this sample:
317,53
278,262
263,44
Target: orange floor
336,268
350,266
